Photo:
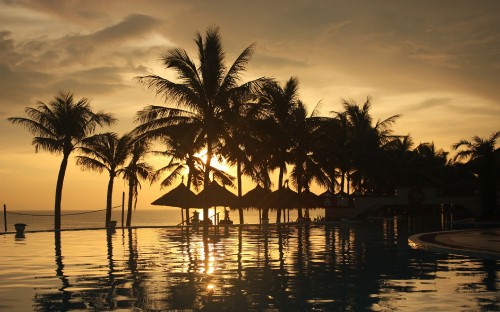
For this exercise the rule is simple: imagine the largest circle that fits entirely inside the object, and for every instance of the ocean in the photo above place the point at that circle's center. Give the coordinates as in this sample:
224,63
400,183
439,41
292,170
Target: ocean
39,220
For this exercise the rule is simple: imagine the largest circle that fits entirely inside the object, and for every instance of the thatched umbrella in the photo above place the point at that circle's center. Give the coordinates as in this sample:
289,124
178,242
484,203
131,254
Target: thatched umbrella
327,199
217,195
181,197
310,200
284,198
257,197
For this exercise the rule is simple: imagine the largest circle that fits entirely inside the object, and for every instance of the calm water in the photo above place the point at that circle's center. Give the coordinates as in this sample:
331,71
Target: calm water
337,267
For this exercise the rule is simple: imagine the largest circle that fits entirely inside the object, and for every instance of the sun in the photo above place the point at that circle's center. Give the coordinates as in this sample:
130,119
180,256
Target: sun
216,162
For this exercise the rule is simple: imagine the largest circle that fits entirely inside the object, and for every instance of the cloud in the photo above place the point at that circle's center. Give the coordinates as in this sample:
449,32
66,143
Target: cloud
430,103
267,60
133,26
19,88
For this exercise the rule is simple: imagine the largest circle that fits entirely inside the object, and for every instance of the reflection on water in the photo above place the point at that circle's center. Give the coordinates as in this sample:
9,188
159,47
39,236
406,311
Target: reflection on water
336,267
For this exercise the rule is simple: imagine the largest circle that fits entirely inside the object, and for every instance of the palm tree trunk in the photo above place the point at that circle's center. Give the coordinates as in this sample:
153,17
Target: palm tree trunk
348,183
206,182
130,200
188,185
109,199
280,185
59,187
342,179
299,190
240,207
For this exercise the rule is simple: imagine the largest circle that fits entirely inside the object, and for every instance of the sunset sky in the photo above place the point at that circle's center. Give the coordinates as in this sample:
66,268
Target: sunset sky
435,62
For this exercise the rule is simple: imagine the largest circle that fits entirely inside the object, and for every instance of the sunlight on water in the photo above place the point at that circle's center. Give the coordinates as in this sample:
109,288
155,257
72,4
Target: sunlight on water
341,267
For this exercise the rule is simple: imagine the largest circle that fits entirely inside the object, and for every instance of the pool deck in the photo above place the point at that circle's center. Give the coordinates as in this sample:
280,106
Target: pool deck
482,243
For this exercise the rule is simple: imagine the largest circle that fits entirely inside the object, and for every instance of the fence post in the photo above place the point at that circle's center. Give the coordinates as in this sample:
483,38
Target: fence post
5,217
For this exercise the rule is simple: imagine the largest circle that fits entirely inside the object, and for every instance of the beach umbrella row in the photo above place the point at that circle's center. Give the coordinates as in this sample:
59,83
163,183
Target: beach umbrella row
258,197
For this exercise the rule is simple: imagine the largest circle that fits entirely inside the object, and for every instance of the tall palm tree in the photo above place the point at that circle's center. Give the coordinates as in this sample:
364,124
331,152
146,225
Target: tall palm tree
429,165
305,150
280,102
365,144
136,170
107,152
183,147
241,141
484,158
201,94
59,127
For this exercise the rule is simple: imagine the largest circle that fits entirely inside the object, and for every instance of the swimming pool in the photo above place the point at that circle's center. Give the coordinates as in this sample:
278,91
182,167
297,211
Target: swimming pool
318,267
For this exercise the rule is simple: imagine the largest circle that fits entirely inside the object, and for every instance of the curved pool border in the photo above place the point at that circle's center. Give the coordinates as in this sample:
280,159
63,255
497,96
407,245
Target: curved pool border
455,242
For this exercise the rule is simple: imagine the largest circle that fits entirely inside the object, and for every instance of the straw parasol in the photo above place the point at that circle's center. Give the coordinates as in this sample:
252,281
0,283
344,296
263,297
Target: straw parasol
257,197
284,198
217,195
181,197
326,199
310,200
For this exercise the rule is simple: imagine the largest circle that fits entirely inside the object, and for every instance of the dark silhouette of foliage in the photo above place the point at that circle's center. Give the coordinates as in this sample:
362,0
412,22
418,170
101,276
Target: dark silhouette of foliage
107,152
201,94
60,127
484,160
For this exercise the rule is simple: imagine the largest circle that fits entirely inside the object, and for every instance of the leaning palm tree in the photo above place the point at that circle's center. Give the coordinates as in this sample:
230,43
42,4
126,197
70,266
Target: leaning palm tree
483,157
201,93
59,127
107,152
136,170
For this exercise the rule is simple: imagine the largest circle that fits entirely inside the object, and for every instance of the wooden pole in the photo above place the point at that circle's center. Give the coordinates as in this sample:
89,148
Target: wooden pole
123,207
5,217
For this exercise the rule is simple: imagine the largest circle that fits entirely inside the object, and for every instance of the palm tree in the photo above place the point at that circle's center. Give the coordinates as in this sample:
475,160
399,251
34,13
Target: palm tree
136,169
202,93
241,141
107,152
59,127
483,157
429,165
365,145
183,144
279,102
305,150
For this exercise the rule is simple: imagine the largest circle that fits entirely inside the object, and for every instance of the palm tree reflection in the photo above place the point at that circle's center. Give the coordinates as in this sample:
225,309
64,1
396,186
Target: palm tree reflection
283,267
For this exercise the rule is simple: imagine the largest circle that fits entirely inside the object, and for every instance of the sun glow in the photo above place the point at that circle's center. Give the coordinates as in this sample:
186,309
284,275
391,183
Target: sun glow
216,162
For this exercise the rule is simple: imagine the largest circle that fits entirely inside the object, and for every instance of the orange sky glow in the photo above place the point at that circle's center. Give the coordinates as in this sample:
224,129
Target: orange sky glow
437,63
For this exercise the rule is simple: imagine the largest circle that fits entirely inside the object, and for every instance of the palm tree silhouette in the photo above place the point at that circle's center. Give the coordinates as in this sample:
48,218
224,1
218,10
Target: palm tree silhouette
429,164
365,144
279,101
136,170
60,127
182,148
484,159
241,140
107,152
305,150
202,93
